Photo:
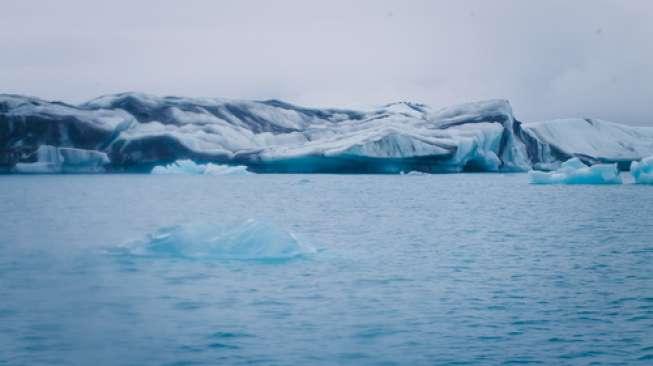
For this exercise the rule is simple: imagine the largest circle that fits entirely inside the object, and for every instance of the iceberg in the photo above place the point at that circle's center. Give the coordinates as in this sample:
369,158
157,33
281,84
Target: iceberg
137,131
189,167
51,159
216,169
413,173
249,240
574,171
596,141
642,171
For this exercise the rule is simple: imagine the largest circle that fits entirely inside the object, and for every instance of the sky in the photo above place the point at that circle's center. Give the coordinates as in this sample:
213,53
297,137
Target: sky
550,59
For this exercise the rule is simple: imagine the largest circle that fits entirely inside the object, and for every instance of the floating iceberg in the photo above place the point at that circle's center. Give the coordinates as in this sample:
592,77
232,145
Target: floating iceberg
180,167
51,159
414,173
249,240
189,167
574,171
215,169
642,171
137,131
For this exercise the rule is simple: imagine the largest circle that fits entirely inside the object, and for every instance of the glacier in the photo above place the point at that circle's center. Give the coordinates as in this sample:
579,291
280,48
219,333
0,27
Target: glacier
138,132
574,171
642,170
251,239
189,167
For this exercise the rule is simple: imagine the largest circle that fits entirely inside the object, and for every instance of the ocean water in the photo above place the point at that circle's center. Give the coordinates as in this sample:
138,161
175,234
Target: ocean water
465,269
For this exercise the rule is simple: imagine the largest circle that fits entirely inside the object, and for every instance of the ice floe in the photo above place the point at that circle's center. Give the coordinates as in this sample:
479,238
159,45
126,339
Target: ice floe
574,171
189,167
248,240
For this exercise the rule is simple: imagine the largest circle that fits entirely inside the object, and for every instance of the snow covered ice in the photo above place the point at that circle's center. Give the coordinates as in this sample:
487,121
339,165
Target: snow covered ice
642,171
574,171
593,139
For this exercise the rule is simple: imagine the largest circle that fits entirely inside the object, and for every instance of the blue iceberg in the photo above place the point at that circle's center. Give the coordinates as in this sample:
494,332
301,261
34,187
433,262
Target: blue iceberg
642,171
248,240
189,167
574,171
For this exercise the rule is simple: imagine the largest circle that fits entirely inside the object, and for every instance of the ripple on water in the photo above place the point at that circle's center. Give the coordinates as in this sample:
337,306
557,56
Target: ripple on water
466,269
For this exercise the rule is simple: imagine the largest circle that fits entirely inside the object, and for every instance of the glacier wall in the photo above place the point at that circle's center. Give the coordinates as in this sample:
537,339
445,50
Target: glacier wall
136,132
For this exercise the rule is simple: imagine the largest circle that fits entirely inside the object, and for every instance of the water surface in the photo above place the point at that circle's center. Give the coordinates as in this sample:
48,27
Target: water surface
444,269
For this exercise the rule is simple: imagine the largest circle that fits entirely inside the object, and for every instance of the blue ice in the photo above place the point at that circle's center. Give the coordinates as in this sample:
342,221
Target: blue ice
642,170
189,167
574,171
247,240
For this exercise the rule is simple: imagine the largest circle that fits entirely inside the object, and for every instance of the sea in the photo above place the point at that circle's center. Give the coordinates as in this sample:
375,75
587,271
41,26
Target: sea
451,269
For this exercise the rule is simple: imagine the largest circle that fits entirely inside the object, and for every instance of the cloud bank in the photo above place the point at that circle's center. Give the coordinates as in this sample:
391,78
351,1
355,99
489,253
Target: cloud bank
549,58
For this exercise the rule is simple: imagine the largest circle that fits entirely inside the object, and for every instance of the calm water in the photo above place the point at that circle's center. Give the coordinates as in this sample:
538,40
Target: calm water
445,269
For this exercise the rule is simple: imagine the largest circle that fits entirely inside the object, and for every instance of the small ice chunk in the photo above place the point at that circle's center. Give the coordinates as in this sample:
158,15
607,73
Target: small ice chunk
189,167
574,171
185,166
216,169
642,170
413,172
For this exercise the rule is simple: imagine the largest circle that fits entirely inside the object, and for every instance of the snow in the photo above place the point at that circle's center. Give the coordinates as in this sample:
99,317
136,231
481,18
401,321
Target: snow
51,159
248,240
101,118
415,110
482,111
642,170
598,139
574,171
189,167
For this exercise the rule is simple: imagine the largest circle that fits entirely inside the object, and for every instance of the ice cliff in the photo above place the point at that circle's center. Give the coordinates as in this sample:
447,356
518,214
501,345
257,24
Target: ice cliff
137,132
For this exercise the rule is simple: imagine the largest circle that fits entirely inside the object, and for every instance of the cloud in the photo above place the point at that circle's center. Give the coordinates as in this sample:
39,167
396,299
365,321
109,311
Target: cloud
550,58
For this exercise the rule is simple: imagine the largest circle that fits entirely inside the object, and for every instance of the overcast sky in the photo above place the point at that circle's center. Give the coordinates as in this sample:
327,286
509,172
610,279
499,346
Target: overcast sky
589,58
